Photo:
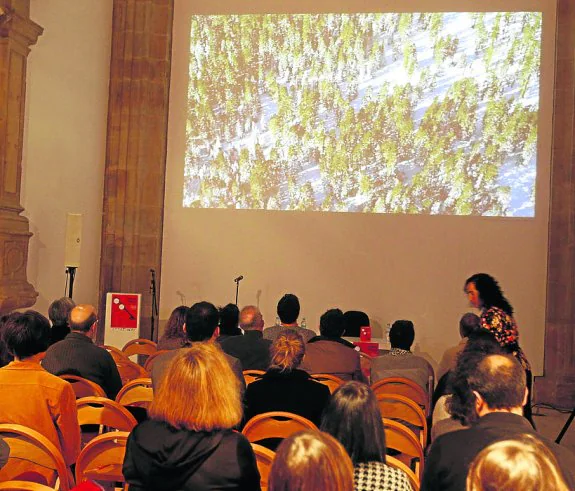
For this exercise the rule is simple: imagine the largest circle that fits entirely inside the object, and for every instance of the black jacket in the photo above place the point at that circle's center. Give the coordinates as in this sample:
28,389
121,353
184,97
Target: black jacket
251,349
160,457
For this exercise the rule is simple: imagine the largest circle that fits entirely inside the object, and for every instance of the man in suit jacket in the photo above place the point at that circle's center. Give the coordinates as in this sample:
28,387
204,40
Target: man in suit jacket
77,354
495,387
329,353
251,349
201,325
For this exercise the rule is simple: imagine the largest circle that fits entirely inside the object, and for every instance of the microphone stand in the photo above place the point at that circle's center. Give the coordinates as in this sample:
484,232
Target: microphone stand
237,281
154,303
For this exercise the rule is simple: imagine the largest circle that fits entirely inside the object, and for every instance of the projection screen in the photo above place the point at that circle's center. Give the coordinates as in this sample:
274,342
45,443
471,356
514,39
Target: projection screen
427,128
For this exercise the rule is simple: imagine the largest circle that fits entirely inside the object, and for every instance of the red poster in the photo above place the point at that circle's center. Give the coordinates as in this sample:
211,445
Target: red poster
124,313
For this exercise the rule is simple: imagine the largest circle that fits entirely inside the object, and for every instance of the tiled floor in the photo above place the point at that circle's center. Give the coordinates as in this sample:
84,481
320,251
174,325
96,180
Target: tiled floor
549,423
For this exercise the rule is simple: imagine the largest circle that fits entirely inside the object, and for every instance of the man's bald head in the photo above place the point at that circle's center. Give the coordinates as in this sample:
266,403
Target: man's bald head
82,317
500,380
251,318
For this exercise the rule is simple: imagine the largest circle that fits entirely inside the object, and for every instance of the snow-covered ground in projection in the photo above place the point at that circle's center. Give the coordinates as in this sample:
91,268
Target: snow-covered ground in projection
431,113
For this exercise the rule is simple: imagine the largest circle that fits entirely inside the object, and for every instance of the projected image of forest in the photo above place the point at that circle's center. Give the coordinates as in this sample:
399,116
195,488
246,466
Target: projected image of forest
428,113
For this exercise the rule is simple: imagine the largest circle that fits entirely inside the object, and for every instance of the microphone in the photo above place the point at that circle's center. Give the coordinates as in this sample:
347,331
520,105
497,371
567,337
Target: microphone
239,278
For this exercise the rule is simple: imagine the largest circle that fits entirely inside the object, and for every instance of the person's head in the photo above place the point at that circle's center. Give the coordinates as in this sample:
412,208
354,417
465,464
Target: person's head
83,318
402,334
332,324
229,318
288,309
26,334
483,292
251,319
198,391
523,463
59,311
174,326
202,321
287,351
353,418
468,324
309,461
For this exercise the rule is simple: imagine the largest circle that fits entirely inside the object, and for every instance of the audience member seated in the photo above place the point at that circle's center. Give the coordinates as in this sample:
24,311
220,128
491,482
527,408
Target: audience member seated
229,319
59,313
284,387
30,395
251,349
400,361
329,353
449,414
354,321
468,324
189,443
288,313
495,392
201,325
311,461
174,336
354,419
77,354
5,356
522,464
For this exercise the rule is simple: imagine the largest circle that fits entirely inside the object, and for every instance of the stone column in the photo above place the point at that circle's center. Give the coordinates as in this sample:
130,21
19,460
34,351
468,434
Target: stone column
17,34
557,386
136,150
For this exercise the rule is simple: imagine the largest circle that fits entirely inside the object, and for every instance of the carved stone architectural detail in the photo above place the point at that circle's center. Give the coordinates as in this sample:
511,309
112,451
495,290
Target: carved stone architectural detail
136,150
17,34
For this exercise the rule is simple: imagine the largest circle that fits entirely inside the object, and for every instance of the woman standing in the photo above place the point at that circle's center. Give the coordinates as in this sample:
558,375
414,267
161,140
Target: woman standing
484,293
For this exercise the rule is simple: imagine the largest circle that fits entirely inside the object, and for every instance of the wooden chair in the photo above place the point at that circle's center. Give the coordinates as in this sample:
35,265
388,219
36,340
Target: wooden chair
398,464
116,353
32,452
264,459
102,458
84,387
399,437
275,424
252,375
140,346
130,371
24,486
104,412
331,381
403,387
405,410
150,361
137,393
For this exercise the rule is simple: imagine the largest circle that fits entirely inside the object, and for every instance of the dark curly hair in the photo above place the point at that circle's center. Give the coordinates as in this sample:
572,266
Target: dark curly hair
175,322
490,292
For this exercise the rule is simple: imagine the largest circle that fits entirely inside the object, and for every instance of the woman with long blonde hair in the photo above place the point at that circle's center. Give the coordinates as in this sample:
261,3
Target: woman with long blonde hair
188,442
310,461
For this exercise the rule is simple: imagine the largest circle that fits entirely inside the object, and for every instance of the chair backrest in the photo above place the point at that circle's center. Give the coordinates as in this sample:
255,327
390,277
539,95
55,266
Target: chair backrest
275,424
84,387
150,360
24,486
116,353
32,452
130,371
399,437
140,347
331,381
102,411
102,458
264,460
398,464
138,392
252,375
393,406
403,387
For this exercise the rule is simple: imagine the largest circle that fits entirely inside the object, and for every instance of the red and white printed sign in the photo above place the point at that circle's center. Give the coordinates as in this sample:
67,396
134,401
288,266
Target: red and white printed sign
122,318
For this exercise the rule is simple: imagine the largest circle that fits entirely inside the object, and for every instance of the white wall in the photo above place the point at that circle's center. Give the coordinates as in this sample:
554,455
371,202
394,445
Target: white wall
65,141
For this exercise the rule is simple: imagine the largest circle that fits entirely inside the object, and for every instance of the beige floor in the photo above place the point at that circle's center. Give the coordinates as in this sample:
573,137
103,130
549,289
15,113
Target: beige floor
549,423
